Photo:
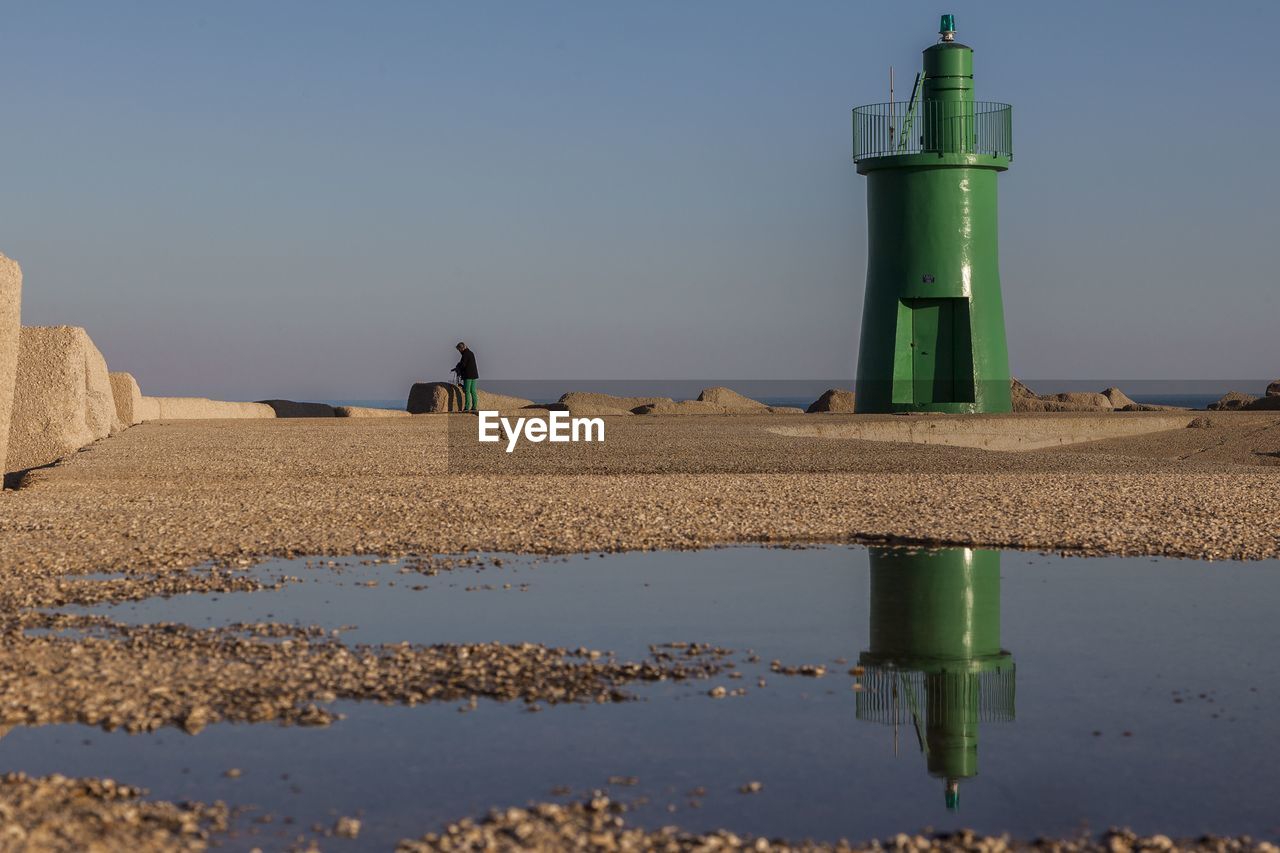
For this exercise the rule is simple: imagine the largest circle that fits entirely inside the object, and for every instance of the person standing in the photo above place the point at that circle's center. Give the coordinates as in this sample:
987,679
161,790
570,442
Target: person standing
467,372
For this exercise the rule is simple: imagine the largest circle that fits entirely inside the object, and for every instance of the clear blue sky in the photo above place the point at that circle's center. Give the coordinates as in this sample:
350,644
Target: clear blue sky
315,199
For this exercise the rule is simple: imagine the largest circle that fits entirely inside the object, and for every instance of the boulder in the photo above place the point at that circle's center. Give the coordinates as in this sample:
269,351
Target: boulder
290,409
1273,390
730,400
1017,389
1119,399
199,408
366,412
1041,404
1084,401
1026,400
683,407
1150,407
62,397
1110,400
432,397
834,400
1264,404
1202,423
147,409
1232,400
586,404
124,388
10,333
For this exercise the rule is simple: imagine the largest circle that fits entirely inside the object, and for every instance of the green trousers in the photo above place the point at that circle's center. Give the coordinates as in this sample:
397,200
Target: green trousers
469,395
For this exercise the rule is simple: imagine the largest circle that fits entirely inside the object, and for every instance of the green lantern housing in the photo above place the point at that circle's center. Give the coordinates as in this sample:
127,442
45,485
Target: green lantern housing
933,335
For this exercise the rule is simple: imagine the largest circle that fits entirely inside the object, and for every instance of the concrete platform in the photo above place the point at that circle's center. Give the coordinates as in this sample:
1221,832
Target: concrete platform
1006,432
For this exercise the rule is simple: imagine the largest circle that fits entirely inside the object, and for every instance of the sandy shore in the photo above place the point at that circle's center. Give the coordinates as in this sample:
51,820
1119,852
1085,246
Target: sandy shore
177,494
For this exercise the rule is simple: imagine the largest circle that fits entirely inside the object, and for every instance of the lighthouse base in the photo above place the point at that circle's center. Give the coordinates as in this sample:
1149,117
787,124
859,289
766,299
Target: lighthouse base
933,335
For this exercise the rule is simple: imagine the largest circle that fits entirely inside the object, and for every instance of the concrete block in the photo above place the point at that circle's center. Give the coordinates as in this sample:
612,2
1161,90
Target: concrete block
366,412
10,332
431,397
100,399
291,409
147,409
62,398
199,408
127,396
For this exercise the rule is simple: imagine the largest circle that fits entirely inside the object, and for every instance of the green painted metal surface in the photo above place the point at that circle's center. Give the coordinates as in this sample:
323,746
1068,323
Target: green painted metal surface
935,610
933,336
934,662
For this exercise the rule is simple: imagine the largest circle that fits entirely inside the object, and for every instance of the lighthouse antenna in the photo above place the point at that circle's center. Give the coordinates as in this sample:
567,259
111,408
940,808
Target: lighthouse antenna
891,104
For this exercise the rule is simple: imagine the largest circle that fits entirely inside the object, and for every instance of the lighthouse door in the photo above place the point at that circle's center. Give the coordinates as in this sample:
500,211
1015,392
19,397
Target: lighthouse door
934,363
932,348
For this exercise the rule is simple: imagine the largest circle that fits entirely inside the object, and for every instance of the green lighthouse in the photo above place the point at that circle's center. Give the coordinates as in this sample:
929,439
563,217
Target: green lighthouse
933,320
935,666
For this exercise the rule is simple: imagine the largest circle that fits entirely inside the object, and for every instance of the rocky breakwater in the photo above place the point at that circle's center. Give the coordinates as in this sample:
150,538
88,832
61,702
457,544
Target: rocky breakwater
1109,400
1239,401
590,405
712,401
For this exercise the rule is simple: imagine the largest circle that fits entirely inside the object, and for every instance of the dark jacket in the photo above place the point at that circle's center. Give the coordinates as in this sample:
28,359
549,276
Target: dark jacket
466,368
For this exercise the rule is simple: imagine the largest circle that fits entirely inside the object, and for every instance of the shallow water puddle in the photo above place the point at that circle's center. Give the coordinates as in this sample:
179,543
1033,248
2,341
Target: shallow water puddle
1003,692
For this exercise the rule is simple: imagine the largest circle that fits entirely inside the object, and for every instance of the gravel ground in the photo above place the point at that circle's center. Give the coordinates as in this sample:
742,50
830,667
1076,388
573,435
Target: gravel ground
177,494
57,813
142,677
161,498
597,825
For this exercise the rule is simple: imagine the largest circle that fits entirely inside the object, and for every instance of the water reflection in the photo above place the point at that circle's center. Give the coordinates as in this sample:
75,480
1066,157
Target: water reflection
935,666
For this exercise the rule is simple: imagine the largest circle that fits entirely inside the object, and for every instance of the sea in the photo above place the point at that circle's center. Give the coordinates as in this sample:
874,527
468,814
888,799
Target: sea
1191,394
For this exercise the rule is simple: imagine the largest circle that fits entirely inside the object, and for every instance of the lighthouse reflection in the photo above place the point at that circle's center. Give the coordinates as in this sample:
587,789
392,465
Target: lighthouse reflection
935,669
